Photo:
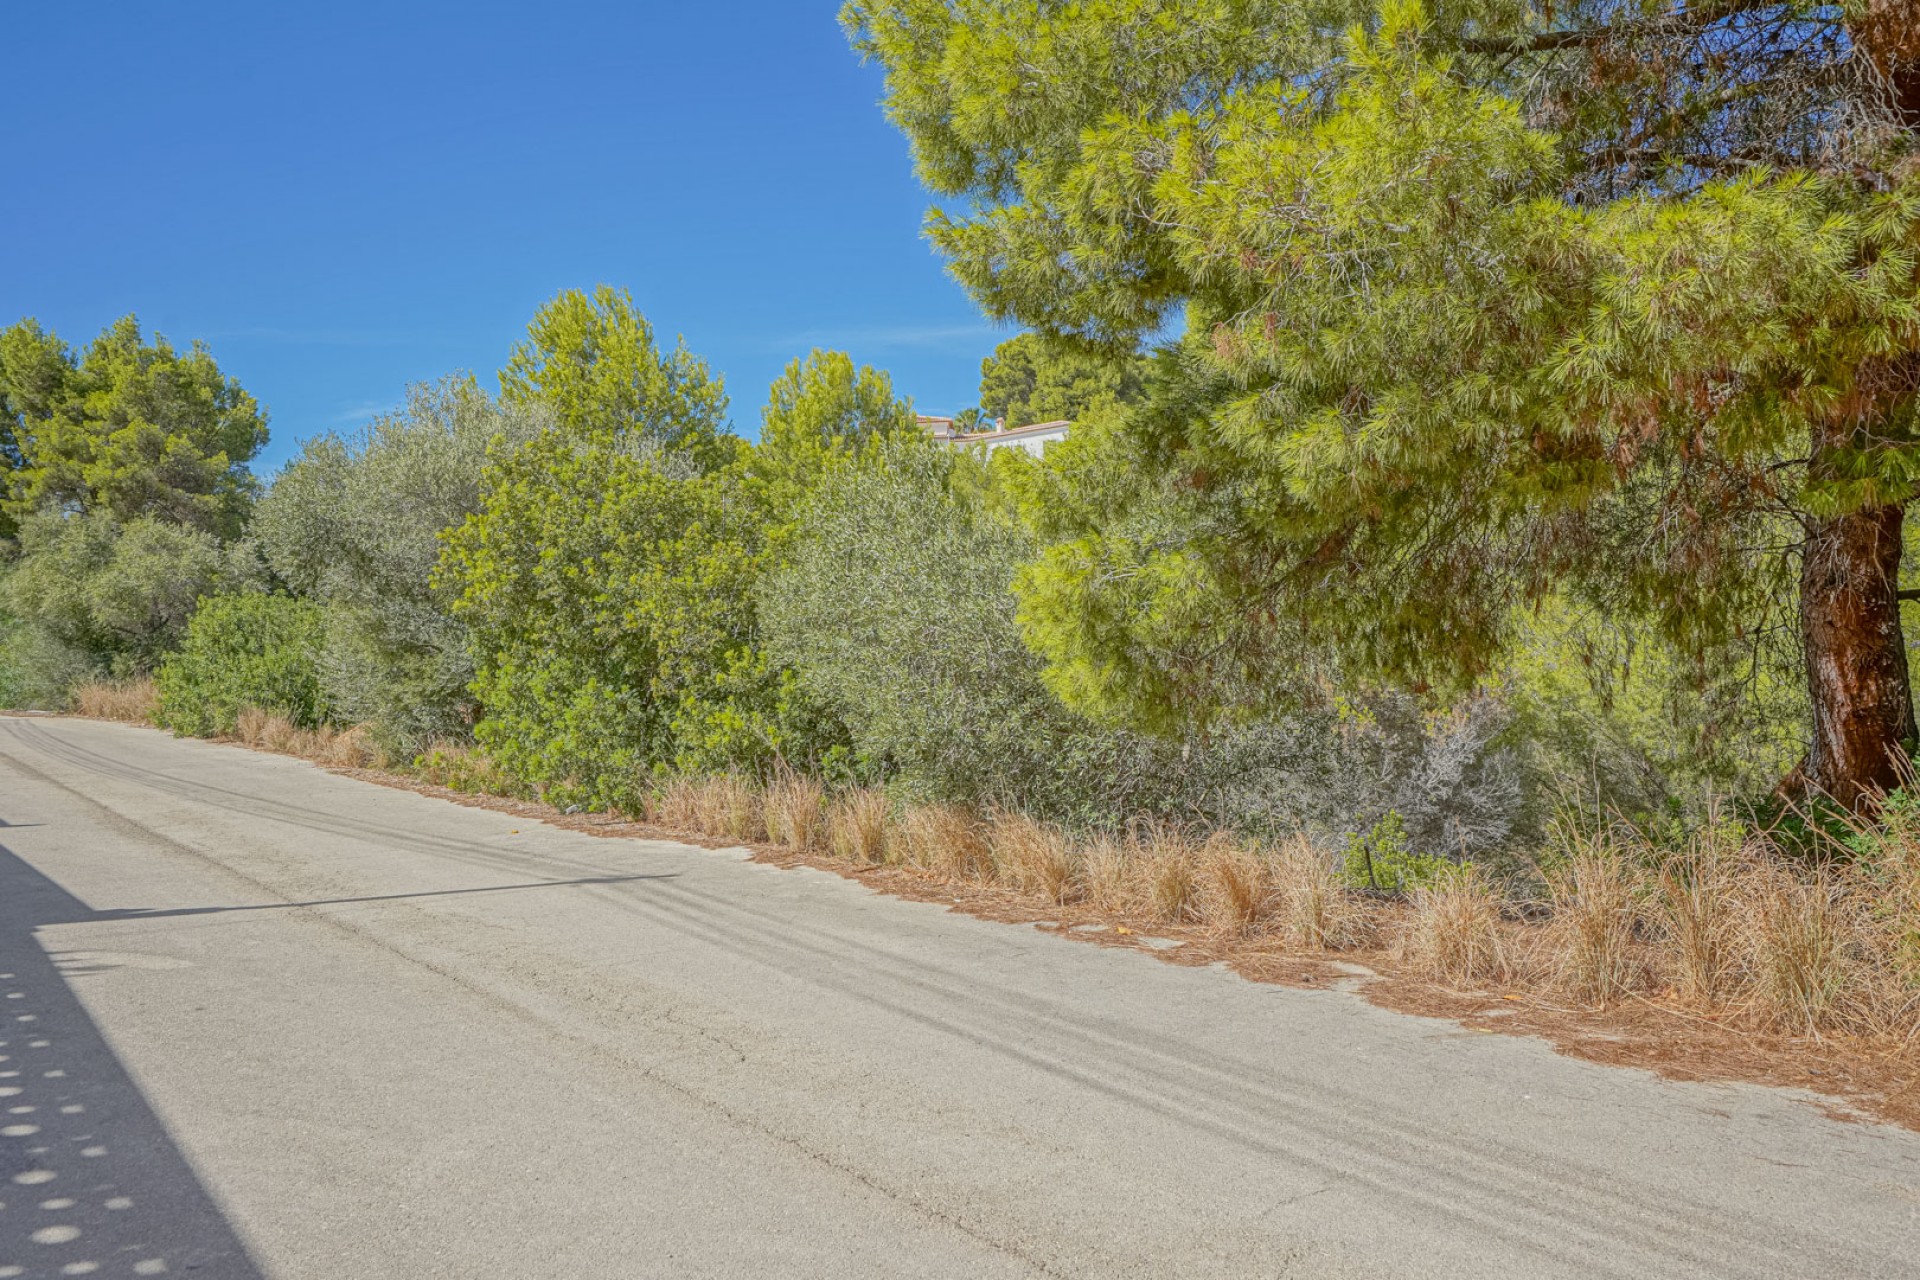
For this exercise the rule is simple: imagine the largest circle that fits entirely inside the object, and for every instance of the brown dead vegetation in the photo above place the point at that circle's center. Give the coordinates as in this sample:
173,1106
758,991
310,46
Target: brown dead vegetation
128,701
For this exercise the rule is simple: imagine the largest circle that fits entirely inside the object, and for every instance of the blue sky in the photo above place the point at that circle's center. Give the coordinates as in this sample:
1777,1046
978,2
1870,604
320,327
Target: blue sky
342,198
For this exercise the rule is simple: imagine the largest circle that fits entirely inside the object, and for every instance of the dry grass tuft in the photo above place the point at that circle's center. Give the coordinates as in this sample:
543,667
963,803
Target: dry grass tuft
1697,908
1106,875
1166,865
1313,909
128,701
1802,938
1596,914
1453,930
1035,857
948,840
795,809
351,748
731,807
1237,887
675,805
857,823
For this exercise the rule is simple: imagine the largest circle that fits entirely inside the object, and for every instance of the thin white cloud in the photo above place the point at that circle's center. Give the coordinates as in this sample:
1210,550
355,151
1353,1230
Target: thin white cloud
365,411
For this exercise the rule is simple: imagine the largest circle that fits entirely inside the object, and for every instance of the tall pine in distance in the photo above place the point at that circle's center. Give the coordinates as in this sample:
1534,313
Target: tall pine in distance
1484,303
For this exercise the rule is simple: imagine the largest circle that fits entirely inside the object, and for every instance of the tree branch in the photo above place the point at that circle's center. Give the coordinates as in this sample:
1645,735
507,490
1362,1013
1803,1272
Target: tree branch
1578,37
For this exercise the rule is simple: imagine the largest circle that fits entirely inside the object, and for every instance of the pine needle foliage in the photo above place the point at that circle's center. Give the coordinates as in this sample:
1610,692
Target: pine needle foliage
1483,303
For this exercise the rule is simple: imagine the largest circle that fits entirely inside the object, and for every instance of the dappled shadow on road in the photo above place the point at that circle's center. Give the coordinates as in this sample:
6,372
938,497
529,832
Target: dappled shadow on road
91,1183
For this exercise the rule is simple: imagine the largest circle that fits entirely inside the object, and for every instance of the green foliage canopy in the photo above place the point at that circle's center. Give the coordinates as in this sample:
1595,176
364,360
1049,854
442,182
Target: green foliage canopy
1482,304
593,363
128,426
1028,380
356,524
608,576
117,596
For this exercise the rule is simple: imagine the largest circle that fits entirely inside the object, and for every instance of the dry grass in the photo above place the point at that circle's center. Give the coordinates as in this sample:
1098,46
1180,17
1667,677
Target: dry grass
729,806
1166,867
1697,909
129,701
1236,886
1803,937
857,825
1106,877
351,748
948,840
1453,931
1312,909
1596,896
795,808
676,805
1035,858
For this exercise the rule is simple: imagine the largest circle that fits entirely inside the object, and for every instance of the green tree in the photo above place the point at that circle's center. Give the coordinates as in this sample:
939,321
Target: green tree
128,426
609,600
35,371
592,362
1028,379
355,523
1483,304
820,411
609,584
117,597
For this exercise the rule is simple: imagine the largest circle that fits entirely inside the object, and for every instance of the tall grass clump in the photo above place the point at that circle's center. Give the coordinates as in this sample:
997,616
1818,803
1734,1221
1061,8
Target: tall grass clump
734,807
1452,932
1106,875
857,824
1166,868
1804,937
1596,894
132,701
1697,908
1034,857
1236,885
795,809
947,839
1312,908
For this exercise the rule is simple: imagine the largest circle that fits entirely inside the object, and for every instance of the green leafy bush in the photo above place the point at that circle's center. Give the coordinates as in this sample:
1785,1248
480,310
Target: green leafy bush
116,596
1382,859
608,576
245,650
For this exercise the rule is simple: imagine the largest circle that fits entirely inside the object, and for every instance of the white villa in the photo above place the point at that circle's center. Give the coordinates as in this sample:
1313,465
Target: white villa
1033,438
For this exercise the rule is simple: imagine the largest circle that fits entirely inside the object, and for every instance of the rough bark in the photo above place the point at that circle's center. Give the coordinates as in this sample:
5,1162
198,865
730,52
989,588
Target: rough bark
1856,655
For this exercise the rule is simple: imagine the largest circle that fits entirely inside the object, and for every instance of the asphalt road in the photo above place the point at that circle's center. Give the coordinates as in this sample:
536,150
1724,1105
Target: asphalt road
259,1020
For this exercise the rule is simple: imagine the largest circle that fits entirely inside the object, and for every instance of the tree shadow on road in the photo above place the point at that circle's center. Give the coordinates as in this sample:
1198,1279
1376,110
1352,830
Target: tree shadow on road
90,1180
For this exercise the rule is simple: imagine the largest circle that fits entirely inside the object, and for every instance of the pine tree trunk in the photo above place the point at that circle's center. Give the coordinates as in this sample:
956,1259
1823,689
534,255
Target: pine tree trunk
1856,655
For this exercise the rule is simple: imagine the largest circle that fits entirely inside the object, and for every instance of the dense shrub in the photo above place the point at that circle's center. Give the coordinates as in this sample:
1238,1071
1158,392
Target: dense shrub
91,596
896,611
355,523
607,589
243,651
608,578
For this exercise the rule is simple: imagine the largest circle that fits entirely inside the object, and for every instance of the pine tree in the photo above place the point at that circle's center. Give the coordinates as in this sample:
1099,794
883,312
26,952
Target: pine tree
1484,303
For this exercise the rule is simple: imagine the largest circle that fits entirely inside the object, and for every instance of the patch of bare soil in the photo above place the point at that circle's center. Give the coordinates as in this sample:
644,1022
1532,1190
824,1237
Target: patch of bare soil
1860,1080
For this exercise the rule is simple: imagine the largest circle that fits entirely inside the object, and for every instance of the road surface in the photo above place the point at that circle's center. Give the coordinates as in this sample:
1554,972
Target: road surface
260,1020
